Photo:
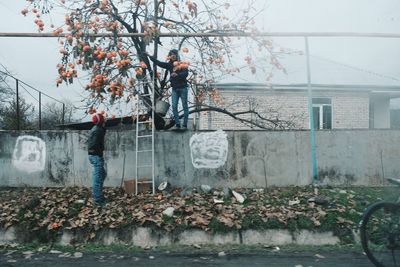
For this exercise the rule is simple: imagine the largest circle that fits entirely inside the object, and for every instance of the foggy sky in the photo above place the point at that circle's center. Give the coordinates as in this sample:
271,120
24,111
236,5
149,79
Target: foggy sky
33,60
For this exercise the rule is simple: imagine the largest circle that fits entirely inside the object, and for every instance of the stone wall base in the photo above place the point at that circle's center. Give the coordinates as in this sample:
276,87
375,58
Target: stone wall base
147,237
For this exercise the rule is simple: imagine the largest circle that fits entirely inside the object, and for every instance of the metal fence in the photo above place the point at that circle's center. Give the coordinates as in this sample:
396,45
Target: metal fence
26,108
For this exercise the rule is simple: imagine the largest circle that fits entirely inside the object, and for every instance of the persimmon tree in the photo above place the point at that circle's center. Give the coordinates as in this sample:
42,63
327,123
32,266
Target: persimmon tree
116,65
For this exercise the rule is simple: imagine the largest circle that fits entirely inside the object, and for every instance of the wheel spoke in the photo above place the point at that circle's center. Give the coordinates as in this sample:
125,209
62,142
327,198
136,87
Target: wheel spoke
380,233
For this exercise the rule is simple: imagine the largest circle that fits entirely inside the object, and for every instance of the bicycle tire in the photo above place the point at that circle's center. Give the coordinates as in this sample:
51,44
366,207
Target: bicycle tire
373,214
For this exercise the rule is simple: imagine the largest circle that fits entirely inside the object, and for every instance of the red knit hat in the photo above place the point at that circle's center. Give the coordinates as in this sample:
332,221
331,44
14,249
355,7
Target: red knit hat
97,118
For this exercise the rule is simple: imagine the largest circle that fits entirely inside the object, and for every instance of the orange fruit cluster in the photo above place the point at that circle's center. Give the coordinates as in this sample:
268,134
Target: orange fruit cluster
24,11
65,73
184,64
40,24
97,83
116,88
131,82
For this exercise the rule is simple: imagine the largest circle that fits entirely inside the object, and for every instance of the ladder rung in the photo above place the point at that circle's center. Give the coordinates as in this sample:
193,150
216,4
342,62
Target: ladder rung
143,136
142,122
142,151
144,166
144,95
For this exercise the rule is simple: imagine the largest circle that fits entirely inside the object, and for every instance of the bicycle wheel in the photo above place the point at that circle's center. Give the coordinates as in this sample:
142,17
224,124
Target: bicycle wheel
380,234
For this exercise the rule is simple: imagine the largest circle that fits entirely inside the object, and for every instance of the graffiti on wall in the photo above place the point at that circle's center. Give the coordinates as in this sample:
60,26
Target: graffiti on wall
29,154
209,150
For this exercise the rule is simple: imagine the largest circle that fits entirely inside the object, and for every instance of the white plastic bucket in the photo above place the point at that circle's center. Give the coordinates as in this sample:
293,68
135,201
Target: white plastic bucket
162,107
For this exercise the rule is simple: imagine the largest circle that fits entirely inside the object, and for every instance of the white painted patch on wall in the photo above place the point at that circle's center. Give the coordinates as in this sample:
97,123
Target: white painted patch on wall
29,154
209,150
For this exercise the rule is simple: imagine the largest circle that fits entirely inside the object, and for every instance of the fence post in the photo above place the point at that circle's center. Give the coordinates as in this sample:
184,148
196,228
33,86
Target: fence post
40,111
16,89
63,113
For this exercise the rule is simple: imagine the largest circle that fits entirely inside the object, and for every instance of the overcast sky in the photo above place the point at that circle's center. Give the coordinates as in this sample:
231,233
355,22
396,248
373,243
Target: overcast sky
371,16
33,60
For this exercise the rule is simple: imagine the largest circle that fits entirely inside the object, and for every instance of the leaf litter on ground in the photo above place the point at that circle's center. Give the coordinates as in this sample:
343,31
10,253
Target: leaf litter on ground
54,209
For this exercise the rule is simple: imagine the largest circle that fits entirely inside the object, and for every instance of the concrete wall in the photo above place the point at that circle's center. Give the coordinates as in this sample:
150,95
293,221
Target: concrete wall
230,158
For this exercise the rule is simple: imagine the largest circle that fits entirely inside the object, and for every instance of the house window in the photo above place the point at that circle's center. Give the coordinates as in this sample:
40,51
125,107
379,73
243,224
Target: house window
322,112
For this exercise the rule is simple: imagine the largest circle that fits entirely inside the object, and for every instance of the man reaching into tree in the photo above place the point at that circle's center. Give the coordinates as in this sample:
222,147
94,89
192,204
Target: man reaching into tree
178,74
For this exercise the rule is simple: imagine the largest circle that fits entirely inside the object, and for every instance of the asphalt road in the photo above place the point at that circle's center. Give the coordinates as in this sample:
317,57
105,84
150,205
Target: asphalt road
125,259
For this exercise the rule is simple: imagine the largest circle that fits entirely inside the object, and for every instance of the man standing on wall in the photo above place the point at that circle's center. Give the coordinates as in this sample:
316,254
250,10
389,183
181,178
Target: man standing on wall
95,151
178,75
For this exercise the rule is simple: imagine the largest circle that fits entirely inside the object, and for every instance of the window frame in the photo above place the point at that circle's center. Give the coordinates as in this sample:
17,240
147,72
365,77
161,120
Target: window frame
320,103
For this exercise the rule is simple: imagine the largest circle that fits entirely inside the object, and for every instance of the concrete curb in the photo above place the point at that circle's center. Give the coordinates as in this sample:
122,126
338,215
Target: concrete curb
147,237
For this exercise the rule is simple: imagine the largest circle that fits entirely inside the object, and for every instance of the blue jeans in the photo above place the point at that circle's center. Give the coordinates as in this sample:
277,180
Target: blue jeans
99,174
181,93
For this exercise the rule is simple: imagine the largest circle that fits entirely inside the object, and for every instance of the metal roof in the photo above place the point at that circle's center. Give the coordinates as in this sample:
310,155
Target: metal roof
304,86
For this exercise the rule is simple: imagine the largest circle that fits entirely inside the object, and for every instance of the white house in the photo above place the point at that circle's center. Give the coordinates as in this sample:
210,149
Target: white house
342,97
334,106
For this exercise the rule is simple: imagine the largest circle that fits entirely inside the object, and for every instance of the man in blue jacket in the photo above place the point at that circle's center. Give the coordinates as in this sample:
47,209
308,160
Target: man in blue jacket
95,151
179,86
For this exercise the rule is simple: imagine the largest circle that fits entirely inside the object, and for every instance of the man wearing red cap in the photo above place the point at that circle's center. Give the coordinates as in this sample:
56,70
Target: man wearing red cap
95,151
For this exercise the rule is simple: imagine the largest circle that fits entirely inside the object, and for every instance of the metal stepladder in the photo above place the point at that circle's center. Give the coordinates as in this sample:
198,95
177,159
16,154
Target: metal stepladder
141,150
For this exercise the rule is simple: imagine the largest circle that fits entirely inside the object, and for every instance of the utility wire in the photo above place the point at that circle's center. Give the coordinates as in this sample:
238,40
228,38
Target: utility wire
29,93
8,86
357,68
